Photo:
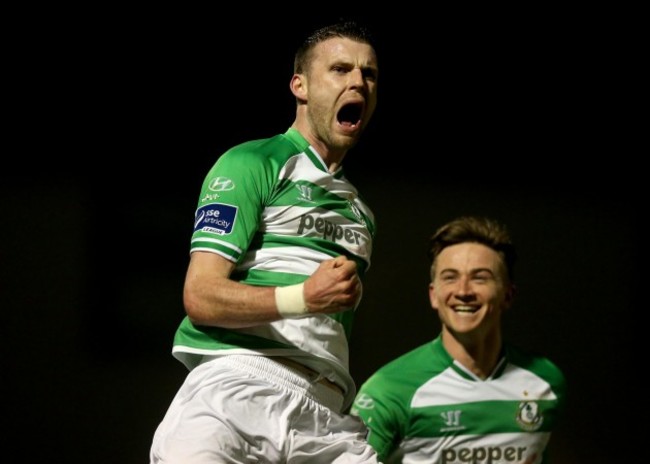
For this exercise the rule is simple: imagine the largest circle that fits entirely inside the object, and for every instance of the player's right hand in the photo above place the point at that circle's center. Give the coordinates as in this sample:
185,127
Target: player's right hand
335,286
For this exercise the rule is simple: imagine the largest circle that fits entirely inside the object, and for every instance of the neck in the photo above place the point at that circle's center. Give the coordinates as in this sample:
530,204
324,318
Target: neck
478,356
331,156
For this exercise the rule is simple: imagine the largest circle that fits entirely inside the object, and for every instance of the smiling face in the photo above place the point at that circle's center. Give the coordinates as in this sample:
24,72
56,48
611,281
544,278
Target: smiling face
337,93
470,290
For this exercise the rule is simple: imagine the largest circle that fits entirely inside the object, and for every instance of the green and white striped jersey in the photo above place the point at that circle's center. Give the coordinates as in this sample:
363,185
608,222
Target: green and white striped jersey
424,407
272,207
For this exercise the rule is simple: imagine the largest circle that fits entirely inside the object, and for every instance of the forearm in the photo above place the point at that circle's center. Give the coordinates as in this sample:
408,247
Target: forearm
211,298
225,303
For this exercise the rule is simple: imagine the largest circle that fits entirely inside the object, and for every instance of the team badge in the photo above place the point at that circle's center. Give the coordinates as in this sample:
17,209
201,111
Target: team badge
529,417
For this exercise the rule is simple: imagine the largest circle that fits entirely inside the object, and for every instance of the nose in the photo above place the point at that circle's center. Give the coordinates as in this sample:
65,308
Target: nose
356,78
464,288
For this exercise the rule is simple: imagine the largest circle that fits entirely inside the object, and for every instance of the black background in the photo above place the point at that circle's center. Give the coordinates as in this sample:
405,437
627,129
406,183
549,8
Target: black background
116,116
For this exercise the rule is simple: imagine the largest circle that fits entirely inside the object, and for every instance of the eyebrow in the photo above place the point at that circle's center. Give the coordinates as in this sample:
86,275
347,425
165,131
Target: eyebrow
472,271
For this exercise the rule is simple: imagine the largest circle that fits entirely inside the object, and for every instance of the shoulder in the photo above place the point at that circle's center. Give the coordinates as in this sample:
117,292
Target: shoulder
273,150
252,162
539,365
410,369
386,397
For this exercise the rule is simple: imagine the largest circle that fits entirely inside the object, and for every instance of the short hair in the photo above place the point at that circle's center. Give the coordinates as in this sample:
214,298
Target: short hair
347,28
486,231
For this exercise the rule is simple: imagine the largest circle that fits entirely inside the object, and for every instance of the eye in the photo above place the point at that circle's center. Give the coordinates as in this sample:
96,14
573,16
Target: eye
448,277
482,277
370,74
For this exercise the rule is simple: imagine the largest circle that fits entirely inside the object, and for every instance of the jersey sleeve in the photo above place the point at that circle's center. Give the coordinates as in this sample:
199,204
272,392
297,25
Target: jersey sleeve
231,201
383,412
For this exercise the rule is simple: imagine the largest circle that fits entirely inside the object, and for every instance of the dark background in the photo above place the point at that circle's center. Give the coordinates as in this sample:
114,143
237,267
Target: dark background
115,117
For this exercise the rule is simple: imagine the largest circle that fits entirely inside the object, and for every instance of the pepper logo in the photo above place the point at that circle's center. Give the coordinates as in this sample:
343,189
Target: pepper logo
328,230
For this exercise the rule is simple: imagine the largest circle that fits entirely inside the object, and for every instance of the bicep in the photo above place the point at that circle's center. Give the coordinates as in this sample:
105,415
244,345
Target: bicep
207,265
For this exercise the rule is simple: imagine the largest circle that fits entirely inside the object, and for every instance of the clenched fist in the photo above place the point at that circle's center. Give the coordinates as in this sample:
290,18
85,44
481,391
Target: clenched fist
335,286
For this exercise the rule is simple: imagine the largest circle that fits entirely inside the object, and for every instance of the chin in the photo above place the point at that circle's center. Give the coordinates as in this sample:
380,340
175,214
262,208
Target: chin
346,142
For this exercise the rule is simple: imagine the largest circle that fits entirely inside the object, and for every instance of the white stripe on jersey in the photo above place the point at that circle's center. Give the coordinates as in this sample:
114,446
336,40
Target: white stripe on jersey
451,388
292,260
220,242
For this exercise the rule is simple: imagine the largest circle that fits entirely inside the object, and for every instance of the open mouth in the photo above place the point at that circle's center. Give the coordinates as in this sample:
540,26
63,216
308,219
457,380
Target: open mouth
349,115
466,309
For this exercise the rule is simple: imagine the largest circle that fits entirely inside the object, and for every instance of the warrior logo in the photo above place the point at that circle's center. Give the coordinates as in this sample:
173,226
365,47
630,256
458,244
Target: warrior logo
305,192
356,212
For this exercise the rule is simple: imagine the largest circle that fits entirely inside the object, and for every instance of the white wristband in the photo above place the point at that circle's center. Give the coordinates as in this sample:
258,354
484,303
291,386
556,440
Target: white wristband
290,301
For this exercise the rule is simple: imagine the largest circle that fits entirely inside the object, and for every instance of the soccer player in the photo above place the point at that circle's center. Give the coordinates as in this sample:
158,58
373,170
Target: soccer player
467,396
280,245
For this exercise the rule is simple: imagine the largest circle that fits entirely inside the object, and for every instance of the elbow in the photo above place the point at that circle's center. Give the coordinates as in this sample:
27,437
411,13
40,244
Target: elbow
196,309
201,310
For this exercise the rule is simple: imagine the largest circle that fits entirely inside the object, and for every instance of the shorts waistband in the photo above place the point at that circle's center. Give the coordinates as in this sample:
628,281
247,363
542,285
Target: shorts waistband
310,373
289,374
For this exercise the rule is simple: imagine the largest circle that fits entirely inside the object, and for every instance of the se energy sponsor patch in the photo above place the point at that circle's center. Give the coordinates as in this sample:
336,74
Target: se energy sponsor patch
215,218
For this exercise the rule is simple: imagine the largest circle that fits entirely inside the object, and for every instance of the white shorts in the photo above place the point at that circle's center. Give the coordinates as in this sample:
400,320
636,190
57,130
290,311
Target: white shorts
249,409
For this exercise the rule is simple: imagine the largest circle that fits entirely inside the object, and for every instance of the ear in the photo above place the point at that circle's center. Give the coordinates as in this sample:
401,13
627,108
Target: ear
432,296
298,86
510,296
